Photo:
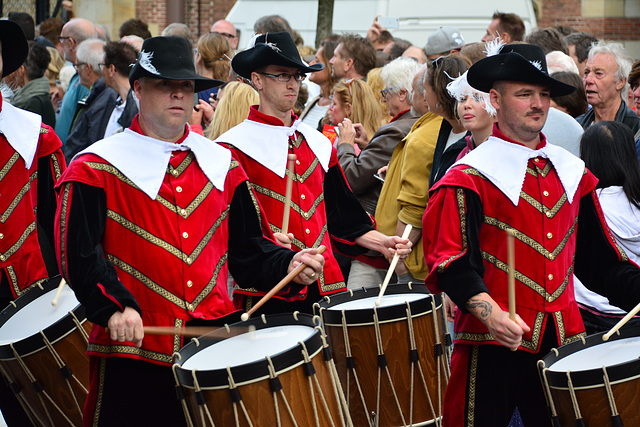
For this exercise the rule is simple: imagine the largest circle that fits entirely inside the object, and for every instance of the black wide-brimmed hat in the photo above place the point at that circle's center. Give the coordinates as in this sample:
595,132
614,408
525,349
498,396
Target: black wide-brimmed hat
169,58
14,46
271,49
518,63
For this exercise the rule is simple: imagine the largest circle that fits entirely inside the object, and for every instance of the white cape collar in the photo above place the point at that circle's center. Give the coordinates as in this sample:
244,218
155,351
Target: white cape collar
269,144
22,130
144,160
505,165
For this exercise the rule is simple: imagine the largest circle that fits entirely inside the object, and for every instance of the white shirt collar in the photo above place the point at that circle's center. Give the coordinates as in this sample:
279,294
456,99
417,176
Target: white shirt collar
505,165
269,144
144,160
22,130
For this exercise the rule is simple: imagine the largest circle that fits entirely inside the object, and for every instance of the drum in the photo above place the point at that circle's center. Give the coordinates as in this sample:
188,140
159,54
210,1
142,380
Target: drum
594,382
268,371
391,359
43,354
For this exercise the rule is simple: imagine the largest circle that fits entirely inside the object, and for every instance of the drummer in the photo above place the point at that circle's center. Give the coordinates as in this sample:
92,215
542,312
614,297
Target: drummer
517,179
149,219
323,208
32,161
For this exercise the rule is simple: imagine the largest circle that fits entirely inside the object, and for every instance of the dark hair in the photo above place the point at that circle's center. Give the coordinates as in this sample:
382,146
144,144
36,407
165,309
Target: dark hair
398,48
439,74
582,43
549,39
329,45
576,103
608,150
134,27
361,50
634,75
25,22
120,54
510,23
272,24
51,28
37,60
565,30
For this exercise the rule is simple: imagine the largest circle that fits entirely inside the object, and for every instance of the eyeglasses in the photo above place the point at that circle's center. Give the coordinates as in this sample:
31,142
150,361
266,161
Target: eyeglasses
78,65
102,66
286,77
227,35
436,61
61,39
385,92
195,52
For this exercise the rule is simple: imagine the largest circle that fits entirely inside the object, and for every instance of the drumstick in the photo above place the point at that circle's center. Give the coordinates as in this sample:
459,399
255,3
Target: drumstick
56,297
392,267
193,331
511,271
284,282
287,194
621,323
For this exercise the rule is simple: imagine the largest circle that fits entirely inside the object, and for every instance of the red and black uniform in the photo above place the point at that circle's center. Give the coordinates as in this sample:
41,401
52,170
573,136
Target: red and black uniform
323,208
559,230
165,253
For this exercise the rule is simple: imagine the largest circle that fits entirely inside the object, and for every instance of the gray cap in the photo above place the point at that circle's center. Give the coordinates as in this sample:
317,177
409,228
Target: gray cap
443,40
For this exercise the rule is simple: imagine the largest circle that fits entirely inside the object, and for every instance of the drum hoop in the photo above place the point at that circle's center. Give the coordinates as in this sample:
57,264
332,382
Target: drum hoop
593,386
365,316
253,371
591,378
54,333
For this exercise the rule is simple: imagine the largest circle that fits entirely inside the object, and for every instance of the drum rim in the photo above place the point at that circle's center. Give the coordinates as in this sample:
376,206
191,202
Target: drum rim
364,316
253,371
54,332
590,378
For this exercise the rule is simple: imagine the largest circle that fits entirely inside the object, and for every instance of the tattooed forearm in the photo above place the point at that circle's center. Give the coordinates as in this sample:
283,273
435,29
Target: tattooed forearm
484,308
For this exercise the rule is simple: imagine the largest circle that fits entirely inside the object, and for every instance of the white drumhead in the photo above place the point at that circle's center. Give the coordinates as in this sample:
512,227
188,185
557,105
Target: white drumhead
370,302
38,315
248,347
607,353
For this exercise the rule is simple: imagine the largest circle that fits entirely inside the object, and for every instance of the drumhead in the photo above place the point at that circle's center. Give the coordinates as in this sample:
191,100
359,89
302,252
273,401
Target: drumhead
608,353
37,315
370,302
248,347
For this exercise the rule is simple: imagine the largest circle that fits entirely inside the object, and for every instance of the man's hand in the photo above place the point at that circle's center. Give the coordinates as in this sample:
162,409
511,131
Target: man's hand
314,262
126,326
395,244
361,138
450,308
504,330
203,112
383,170
373,34
284,239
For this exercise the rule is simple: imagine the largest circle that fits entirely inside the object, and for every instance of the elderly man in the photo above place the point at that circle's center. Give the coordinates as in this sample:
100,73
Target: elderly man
516,180
32,162
111,106
73,33
353,58
323,208
404,194
228,30
508,26
150,222
376,151
605,83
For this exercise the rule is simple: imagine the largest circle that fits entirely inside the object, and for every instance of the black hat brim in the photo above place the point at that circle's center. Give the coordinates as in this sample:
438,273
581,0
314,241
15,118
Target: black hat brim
261,55
513,67
200,83
15,47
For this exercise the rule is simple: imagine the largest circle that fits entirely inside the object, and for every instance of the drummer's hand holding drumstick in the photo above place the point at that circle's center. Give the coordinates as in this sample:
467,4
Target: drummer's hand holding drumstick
387,245
450,308
126,326
314,262
284,239
505,331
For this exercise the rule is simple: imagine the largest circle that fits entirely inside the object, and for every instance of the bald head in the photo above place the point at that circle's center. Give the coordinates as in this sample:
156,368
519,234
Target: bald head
228,30
75,32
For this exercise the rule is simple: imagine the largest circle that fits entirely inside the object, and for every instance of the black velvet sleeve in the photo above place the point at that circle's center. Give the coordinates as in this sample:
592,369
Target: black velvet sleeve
597,264
346,219
463,277
47,203
92,277
254,260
